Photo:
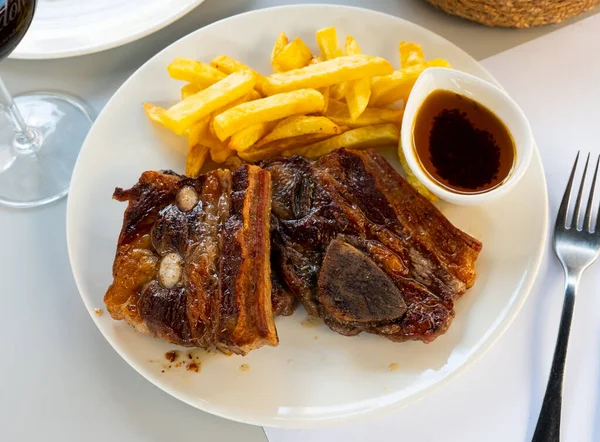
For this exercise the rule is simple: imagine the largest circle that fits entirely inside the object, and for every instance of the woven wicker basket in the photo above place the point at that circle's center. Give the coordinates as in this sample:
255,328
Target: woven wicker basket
515,13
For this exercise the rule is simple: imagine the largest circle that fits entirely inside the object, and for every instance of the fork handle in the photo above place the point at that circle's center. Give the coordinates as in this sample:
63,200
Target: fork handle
548,425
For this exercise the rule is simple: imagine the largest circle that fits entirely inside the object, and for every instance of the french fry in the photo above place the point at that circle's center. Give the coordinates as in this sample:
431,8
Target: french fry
254,156
230,65
184,114
325,91
412,179
397,86
339,114
360,138
246,138
351,46
388,89
327,73
410,54
155,113
189,89
222,154
213,142
275,148
357,96
328,43
280,42
294,55
195,160
254,95
233,162
358,91
299,125
194,71
197,131
272,108
200,131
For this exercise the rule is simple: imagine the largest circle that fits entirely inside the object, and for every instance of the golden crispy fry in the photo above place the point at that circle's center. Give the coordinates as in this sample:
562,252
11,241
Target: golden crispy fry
358,91
357,96
272,108
280,43
201,131
412,179
194,71
397,86
339,91
230,65
328,73
361,138
155,113
339,114
246,138
410,54
275,148
197,131
294,55
221,154
326,92
184,114
195,160
438,63
254,95
189,89
351,46
328,43
213,142
233,162
299,125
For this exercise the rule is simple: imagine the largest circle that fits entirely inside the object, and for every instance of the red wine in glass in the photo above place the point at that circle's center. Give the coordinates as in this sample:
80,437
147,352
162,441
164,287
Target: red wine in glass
40,133
15,18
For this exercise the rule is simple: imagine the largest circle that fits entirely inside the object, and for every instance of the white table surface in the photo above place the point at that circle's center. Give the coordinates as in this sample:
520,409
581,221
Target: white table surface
59,379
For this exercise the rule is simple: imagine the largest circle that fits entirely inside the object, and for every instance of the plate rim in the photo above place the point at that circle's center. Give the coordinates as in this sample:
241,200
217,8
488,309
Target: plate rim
121,41
308,423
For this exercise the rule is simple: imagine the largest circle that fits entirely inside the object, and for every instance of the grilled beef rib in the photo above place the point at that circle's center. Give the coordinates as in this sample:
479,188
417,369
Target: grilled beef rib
358,246
193,259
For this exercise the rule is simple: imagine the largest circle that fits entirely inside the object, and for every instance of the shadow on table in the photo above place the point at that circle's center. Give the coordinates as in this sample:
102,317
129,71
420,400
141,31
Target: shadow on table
596,429
540,368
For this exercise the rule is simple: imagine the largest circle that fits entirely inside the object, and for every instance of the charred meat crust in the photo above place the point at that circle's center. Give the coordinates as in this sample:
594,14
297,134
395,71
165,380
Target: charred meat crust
223,297
358,198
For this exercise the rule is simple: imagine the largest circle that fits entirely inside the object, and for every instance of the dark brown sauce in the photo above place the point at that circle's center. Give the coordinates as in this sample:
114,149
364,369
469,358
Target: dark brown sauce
461,144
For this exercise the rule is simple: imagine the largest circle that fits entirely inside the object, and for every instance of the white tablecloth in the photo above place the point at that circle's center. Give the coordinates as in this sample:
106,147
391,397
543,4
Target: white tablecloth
556,80
61,381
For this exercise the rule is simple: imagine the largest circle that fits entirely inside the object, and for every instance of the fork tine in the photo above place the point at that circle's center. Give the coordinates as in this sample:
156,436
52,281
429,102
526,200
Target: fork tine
587,221
576,214
564,205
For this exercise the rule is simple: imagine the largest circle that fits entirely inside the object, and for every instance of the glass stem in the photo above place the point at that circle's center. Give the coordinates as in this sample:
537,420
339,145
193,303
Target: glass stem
25,134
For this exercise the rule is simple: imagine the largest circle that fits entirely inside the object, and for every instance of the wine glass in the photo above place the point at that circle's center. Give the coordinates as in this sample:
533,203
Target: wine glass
40,133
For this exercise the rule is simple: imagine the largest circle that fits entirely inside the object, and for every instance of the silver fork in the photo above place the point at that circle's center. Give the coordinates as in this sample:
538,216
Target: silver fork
577,245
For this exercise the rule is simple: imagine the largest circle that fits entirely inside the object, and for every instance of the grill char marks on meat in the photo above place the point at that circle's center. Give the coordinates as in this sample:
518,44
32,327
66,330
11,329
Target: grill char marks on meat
352,207
195,270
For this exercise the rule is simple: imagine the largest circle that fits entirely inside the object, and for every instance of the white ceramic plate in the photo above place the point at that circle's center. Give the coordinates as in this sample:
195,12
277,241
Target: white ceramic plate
314,377
65,28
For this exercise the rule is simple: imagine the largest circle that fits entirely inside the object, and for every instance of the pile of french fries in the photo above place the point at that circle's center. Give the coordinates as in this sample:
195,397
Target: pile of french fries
310,106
